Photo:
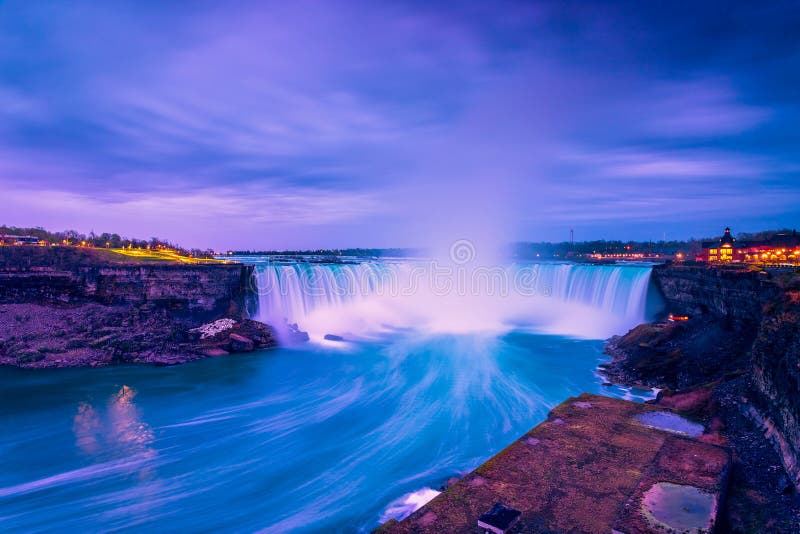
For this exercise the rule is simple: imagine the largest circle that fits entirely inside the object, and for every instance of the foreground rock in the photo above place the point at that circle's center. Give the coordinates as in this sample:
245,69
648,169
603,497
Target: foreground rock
37,336
736,364
678,355
66,307
593,466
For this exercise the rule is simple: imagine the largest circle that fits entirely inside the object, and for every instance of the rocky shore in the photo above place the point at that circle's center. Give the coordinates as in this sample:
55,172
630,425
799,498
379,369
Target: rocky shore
735,366
67,307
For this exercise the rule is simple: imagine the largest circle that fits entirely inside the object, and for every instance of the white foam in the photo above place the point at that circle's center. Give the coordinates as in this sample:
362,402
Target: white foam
408,504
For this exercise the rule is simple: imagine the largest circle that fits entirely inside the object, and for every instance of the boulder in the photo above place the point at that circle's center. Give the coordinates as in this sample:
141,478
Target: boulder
298,336
239,343
294,334
215,351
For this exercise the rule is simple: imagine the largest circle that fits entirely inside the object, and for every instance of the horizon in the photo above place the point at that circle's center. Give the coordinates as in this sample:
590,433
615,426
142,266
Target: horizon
420,248
344,125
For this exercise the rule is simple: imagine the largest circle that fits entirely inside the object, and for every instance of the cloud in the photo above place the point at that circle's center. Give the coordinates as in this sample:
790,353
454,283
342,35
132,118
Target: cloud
17,106
700,108
685,164
256,204
161,212
386,124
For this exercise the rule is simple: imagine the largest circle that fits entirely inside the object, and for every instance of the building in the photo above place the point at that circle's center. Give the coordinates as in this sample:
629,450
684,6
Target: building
721,250
780,248
7,239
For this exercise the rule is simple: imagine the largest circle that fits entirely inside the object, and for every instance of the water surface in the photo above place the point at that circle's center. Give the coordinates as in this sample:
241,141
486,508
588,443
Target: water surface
317,438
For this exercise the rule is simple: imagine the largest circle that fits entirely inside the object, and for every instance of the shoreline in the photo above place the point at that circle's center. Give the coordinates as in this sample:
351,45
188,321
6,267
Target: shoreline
761,495
38,337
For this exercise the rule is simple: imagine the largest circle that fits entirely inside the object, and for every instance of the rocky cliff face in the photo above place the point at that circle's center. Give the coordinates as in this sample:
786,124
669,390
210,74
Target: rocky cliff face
62,306
725,308
735,295
67,275
776,376
743,322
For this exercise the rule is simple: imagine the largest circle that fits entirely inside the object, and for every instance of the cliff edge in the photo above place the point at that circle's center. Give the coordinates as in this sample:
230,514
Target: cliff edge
65,306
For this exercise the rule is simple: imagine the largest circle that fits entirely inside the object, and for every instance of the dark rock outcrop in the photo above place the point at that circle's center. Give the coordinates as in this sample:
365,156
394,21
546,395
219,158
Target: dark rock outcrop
62,306
239,343
679,355
776,376
71,276
735,295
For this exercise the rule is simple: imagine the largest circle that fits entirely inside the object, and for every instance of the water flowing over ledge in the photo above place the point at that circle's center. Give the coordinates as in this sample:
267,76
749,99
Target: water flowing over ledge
356,299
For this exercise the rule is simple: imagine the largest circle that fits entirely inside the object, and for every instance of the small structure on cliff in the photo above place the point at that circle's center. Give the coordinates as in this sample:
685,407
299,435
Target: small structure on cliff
719,250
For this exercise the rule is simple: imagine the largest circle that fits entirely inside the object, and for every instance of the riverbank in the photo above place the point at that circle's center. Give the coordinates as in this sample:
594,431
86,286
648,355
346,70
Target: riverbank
68,307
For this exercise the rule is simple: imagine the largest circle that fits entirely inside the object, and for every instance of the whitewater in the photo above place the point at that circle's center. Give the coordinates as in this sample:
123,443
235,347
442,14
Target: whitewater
587,301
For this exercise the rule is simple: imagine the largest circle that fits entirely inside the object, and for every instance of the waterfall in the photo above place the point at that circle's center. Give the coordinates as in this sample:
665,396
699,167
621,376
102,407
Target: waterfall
571,299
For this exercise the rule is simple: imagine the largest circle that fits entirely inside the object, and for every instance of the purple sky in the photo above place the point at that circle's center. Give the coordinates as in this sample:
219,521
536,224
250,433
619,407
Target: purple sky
333,124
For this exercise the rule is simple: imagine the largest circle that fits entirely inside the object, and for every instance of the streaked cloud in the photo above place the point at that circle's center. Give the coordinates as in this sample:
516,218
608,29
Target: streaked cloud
350,123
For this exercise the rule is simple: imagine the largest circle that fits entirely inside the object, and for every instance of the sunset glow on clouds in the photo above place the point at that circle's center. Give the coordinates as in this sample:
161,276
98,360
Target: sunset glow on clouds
309,124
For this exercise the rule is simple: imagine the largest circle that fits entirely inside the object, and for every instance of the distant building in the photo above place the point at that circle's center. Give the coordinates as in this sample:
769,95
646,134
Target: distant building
7,239
780,248
719,250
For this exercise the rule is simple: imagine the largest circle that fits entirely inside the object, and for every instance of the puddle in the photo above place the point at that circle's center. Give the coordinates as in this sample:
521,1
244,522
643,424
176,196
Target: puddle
679,507
671,422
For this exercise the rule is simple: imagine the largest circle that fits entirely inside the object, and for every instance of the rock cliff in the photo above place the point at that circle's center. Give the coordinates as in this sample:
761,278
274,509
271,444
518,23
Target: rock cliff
776,375
69,275
735,295
63,306
743,323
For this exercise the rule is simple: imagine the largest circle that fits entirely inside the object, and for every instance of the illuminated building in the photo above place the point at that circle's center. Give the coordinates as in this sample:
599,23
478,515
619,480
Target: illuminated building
7,239
721,250
779,249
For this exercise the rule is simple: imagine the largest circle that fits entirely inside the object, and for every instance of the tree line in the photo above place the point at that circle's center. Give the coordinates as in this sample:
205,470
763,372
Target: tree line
102,240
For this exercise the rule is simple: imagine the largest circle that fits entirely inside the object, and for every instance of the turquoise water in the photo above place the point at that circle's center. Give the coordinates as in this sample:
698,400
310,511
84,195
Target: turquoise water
439,375
316,438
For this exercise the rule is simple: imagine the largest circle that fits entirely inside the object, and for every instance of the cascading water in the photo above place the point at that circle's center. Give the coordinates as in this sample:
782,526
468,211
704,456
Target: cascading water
295,291
580,300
